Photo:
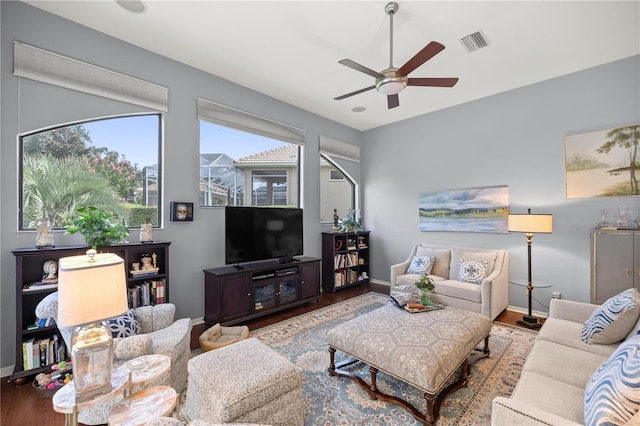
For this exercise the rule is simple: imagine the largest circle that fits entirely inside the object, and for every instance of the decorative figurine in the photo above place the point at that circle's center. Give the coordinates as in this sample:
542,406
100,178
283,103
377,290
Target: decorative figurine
44,237
146,231
146,262
50,269
336,218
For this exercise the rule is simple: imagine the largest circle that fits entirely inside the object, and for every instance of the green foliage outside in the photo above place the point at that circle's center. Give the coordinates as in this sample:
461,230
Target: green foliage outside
138,214
62,172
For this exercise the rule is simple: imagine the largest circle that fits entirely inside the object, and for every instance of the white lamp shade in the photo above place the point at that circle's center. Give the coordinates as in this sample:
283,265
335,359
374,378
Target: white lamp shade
530,223
91,290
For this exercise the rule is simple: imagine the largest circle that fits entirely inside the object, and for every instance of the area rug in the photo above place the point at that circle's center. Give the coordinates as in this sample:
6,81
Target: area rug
337,401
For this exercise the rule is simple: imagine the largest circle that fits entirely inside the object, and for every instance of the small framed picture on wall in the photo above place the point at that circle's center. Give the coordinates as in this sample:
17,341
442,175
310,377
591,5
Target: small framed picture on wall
181,211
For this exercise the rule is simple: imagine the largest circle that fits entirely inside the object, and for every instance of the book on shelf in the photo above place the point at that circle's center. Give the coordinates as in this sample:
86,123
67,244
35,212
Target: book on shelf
35,353
27,354
44,351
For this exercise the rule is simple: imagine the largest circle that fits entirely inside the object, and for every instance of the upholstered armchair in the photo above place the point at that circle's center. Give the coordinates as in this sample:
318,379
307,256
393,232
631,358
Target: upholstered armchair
159,334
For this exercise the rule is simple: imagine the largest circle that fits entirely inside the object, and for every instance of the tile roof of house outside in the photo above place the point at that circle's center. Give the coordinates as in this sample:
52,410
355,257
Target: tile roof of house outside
286,154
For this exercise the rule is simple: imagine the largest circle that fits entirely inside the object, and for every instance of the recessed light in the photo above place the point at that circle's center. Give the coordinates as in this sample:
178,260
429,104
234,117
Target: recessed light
358,109
134,6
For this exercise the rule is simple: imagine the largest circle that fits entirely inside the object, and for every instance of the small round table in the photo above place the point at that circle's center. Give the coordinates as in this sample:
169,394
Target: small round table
143,406
145,369
134,373
529,320
64,401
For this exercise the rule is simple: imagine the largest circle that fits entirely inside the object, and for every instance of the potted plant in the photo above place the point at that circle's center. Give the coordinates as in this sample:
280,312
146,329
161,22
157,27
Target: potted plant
97,228
425,283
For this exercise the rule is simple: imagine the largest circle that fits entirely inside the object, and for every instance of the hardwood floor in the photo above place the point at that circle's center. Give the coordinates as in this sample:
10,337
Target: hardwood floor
21,406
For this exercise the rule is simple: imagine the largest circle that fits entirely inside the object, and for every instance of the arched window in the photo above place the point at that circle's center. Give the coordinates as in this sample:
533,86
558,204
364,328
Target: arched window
110,163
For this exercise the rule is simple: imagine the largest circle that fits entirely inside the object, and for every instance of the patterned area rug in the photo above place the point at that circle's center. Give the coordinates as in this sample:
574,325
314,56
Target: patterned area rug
332,401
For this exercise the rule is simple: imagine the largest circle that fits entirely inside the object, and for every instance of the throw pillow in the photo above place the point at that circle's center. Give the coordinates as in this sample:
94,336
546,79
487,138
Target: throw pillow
472,270
125,325
612,320
463,253
612,395
441,262
421,265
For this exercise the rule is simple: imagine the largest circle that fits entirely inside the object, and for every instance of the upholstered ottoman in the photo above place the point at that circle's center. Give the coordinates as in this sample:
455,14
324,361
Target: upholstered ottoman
422,349
247,382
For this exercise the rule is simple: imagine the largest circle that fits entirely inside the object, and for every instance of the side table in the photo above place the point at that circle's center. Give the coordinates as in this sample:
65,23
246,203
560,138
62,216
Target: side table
137,372
143,406
529,320
64,401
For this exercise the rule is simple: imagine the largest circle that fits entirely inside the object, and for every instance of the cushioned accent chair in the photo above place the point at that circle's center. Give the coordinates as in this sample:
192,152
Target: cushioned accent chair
489,295
159,334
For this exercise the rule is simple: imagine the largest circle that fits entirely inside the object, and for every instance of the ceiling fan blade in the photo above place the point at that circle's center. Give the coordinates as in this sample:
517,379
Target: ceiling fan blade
393,101
356,66
437,82
354,93
427,52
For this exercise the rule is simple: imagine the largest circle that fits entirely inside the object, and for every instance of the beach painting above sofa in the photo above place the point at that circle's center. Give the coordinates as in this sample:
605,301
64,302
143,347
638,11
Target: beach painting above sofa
604,163
482,209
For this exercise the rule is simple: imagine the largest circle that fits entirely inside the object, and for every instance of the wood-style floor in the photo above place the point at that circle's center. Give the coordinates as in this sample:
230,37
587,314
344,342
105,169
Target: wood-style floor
21,406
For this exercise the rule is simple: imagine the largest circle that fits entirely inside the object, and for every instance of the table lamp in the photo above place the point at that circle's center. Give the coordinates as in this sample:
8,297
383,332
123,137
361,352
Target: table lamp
530,224
91,288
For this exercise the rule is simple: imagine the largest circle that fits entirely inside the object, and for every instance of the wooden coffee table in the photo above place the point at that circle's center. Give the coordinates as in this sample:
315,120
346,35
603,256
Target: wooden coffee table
422,349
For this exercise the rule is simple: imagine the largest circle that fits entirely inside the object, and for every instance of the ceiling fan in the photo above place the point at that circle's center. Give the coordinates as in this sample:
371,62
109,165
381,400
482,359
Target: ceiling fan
392,81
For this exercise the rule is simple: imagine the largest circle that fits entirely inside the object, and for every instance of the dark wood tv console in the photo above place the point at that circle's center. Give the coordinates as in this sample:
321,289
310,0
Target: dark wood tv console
233,295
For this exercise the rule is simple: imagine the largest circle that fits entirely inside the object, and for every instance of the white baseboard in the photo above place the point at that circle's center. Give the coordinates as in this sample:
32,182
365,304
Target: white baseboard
525,311
6,371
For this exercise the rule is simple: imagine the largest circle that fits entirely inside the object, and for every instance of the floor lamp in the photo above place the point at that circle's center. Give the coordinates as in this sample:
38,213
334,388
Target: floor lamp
91,289
530,224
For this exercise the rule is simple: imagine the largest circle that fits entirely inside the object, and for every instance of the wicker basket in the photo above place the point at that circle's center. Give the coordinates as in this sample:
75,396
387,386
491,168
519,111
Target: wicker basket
45,392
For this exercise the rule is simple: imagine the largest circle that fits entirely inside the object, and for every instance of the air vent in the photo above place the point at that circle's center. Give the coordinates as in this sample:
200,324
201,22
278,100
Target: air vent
474,41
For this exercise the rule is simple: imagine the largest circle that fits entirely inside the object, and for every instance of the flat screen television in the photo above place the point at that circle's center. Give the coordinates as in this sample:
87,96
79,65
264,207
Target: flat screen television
262,233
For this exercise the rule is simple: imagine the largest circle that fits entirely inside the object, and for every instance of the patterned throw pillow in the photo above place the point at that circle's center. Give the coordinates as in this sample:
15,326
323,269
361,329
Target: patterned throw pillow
612,320
612,395
125,325
472,270
421,265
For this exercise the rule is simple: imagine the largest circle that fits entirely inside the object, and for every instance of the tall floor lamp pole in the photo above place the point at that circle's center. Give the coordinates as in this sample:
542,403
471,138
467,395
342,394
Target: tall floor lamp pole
530,224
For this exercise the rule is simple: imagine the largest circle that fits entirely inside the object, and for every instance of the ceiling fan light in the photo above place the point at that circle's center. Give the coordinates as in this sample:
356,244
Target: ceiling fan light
390,87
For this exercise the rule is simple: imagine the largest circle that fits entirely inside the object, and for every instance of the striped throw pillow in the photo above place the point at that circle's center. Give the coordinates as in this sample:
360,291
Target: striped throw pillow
612,396
613,320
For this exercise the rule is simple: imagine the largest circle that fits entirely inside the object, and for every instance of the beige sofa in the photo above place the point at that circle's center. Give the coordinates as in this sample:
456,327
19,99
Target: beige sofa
551,388
488,297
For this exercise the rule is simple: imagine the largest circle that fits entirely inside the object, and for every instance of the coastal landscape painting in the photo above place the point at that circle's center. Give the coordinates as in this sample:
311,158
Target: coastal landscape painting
604,163
465,210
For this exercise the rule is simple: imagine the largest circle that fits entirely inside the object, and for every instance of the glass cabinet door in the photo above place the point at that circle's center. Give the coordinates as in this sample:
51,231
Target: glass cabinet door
265,295
288,291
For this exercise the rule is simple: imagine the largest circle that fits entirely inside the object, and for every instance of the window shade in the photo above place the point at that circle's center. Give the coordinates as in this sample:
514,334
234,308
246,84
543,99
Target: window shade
240,120
47,67
338,149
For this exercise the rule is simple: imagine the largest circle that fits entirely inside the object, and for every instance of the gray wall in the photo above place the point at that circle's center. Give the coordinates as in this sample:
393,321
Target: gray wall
516,139
31,105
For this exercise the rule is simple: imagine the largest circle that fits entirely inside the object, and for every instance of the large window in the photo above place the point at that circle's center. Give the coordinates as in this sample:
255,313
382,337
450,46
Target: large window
244,169
112,164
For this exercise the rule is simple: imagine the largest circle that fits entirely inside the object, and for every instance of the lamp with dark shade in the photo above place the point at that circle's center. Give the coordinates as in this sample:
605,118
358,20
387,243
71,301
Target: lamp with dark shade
91,289
530,224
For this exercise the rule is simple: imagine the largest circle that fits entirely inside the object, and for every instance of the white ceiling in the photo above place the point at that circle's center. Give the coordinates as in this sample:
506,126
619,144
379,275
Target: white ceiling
290,49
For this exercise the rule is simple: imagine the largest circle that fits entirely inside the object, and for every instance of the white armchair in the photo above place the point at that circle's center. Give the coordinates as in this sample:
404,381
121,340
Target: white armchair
159,334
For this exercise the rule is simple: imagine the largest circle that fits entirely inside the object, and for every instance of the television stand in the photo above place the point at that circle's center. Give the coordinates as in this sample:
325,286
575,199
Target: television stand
234,294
